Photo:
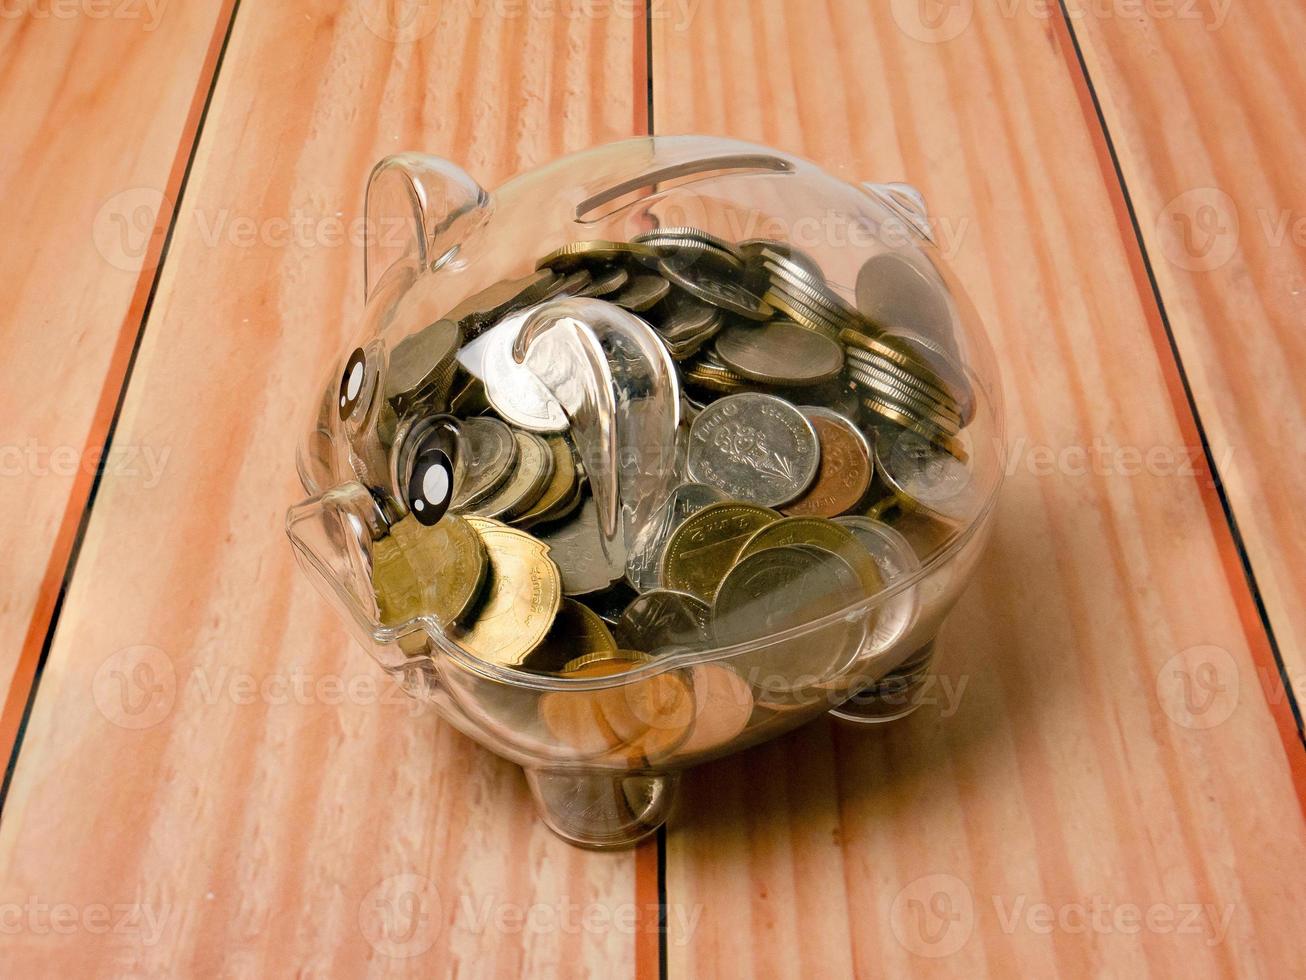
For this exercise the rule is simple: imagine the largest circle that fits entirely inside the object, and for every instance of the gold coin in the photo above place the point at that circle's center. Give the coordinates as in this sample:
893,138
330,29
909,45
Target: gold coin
435,571
522,594
577,631
702,550
562,485
602,663
823,534
530,478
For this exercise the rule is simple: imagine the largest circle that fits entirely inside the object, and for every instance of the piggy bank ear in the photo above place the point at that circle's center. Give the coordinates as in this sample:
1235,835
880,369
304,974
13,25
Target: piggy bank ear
418,209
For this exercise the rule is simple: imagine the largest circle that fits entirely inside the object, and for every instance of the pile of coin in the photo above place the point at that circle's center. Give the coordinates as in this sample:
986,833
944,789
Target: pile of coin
809,425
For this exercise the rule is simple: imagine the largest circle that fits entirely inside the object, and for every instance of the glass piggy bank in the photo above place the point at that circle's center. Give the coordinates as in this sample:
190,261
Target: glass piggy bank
648,455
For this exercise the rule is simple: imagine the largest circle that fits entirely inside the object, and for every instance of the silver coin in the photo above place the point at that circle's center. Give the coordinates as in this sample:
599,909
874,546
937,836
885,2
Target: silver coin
779,353
897,294
605,281
530,476
754,251
644,562
663,618
576,547
896,559
757,448
709,285
928,478
512,388
491,455
642,292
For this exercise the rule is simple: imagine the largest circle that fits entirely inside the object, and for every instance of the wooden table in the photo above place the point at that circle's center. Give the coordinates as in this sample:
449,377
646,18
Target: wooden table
208,778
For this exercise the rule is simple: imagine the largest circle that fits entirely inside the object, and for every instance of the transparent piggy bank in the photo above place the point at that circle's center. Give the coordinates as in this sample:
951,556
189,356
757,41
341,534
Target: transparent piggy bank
650,454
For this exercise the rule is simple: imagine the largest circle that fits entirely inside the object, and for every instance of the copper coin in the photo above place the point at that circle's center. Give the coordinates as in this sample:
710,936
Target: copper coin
844,473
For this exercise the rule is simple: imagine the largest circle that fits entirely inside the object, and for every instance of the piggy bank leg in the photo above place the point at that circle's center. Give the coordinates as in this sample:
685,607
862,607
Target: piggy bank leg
602,809
896,695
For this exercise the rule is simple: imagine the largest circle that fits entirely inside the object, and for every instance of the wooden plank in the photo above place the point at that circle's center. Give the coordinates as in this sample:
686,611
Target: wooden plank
207,747
95,149
1204,107
1055,806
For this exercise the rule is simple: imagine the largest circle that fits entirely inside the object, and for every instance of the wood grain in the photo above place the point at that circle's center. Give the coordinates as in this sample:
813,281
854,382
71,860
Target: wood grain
1056,807
1206,116
207,746
95,151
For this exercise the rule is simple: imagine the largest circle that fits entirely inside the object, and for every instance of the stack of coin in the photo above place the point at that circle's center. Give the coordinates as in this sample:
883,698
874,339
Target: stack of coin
803,409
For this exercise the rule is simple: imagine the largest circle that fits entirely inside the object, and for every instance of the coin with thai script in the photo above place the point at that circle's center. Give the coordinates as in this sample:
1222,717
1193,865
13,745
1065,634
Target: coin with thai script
644,560
844,475
433,571
702,550
757,448
522,593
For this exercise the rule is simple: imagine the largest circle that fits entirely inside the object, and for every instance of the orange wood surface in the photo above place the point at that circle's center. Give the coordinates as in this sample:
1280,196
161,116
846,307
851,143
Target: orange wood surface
1105,779
1053,792
292,829
1207,115
99,114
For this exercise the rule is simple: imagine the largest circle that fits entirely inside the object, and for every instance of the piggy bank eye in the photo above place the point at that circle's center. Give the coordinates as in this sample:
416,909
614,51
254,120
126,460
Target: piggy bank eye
352,382
430,468
431,486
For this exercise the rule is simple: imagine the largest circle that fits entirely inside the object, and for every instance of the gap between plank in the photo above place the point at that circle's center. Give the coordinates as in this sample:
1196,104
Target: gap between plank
1255,621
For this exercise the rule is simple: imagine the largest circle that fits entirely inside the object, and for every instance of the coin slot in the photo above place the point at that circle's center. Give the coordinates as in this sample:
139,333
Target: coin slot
639,189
